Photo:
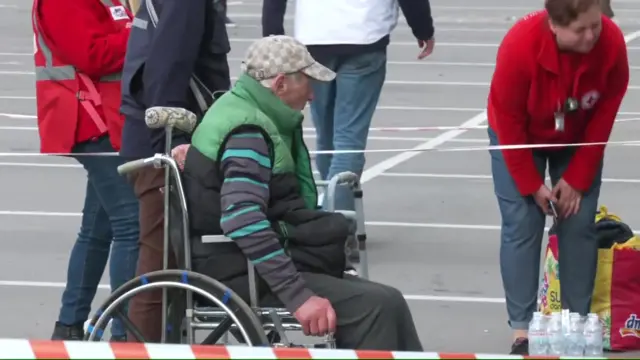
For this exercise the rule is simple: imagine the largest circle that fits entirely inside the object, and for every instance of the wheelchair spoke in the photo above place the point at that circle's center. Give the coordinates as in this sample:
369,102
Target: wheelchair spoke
217,333
128,325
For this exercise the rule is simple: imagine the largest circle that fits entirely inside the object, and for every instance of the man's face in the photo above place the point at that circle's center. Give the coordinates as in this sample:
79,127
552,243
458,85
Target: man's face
582,34
294,90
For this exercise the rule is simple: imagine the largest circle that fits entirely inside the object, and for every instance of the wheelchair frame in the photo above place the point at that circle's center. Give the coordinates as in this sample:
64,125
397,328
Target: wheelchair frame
250,321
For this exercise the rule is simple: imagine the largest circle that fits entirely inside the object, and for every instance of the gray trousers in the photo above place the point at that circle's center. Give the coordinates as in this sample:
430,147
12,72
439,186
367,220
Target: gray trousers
521,239
371,316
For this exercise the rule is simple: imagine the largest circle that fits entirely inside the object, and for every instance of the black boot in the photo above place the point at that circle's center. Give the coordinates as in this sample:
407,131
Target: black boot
66,332
520,347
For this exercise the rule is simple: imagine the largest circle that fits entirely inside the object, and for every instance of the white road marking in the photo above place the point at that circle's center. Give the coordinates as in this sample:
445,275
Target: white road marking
379,168
48,165
18,116
61,285
368,223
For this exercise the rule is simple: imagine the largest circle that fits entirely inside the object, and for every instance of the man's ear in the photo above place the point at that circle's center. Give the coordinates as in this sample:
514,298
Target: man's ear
278,85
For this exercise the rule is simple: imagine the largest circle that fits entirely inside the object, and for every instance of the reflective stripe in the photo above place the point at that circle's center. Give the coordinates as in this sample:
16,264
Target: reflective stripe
55,73
139,23
65,72
112,77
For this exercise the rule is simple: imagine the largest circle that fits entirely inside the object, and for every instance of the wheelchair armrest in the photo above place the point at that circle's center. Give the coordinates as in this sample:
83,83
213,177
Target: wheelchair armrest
213,239
349,214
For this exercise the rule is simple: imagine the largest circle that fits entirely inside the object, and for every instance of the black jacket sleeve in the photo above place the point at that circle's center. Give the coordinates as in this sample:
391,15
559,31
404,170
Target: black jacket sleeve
273,17
173,52
418,15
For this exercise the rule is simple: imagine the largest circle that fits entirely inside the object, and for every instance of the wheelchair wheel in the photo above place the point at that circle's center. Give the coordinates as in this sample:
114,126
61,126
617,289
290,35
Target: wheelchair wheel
249,330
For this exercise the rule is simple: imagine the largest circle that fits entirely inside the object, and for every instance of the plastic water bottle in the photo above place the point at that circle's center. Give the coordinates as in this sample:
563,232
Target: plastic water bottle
593,336
538,342
555,335
575,339
566,322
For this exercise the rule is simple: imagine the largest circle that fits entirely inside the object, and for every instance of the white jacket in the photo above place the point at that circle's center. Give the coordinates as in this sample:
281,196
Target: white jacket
331,22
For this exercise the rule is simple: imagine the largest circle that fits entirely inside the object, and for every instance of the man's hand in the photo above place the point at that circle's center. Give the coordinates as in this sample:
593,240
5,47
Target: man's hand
427,47
542,198
316,316
568,199
179,154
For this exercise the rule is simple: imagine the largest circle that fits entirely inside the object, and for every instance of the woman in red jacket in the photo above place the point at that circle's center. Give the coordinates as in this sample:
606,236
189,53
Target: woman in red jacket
80,49
560,77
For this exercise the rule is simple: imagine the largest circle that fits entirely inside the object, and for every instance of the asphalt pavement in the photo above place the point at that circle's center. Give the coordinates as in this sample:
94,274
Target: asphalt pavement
432,217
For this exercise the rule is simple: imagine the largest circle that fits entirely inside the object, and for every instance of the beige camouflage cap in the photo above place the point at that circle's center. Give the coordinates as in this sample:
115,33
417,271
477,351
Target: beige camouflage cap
279,54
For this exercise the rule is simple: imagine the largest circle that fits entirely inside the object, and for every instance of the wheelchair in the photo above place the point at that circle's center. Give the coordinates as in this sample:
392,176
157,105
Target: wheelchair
193,303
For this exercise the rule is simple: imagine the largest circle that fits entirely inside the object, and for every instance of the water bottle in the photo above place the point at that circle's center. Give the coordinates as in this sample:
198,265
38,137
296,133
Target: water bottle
555,335
575,338
566,319
593,336
538,343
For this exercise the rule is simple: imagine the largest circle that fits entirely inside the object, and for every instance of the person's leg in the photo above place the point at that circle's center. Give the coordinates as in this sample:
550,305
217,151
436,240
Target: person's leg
145,309
359,83
370,316
322,109
606,8
110,214
121,206
521,240
577,243
87,262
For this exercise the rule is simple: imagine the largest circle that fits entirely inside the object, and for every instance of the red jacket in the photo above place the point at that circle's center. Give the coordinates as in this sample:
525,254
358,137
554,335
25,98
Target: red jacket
532,77
80,50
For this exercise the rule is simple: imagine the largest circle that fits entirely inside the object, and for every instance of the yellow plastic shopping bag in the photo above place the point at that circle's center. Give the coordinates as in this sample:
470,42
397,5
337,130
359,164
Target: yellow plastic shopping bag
616,296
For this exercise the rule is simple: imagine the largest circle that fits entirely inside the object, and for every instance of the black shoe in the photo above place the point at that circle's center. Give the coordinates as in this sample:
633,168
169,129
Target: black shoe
68,333
520,347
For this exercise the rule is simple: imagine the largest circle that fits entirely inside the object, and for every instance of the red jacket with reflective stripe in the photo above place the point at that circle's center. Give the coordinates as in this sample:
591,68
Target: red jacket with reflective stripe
532,77
80,47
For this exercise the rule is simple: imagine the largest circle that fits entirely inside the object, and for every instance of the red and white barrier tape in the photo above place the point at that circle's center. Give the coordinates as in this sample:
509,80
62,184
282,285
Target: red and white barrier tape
367,151
35,349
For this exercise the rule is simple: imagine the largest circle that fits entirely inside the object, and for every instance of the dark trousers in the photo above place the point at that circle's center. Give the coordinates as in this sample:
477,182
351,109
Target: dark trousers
145,309
606,8
109,227
521,239
371,316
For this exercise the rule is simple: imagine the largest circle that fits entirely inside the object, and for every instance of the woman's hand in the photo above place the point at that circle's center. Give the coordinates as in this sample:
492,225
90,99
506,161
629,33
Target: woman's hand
568,199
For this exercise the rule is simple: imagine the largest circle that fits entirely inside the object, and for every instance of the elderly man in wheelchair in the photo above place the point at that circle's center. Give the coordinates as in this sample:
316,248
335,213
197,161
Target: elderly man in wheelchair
247,181
248,176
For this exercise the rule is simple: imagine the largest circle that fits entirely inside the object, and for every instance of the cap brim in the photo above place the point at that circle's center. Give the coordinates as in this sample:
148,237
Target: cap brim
319,72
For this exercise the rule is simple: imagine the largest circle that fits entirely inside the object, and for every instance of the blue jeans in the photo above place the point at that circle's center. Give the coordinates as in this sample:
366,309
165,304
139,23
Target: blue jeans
523,225
342,111
109,221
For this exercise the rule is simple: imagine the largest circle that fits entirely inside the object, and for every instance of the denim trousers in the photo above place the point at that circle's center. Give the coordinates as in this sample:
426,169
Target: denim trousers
342,111
109,224
523,226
